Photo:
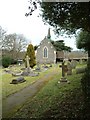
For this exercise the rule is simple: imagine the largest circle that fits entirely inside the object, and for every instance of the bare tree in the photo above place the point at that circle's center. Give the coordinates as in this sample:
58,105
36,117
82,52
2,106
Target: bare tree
14,44
2,35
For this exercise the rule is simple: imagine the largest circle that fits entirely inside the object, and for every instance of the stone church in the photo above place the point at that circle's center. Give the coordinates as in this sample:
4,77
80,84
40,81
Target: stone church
46,53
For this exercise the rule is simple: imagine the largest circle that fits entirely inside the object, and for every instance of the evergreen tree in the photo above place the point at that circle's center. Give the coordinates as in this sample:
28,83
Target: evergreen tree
31,53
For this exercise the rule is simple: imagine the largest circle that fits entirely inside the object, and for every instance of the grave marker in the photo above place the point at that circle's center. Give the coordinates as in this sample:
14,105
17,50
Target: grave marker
64,70
69,72
18,80
73,64
28,65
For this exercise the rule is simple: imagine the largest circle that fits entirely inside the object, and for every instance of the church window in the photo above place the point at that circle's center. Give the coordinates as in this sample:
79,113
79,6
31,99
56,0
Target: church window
45,52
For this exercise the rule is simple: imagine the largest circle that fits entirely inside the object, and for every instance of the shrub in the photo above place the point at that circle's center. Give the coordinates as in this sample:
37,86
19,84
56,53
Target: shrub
6,61
13,61
31,53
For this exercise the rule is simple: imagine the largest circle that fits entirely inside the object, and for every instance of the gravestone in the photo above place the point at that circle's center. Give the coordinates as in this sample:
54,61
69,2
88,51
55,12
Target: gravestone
64,70
80,70
81,61
18,80
73,64
28,65
16,74
38,69
27,71
69,72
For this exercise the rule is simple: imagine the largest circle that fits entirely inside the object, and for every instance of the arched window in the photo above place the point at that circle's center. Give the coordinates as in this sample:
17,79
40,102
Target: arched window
45,52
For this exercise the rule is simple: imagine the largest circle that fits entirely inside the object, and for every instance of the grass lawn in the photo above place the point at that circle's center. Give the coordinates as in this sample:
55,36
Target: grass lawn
55,100
8,89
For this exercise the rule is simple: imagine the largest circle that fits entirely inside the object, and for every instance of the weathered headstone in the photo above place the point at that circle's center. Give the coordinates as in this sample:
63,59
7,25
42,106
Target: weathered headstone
69,72
64,70
18,80
28,65
73,64
16,74
38,67
80,70
28,71
81,61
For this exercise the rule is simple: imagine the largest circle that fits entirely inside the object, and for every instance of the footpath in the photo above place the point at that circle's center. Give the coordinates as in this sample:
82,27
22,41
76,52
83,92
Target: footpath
14,102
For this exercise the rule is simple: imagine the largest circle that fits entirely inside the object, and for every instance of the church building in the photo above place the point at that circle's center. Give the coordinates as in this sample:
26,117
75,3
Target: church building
46,53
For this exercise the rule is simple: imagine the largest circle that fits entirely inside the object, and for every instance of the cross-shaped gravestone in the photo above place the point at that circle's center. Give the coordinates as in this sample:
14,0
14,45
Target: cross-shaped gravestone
64,70
27,63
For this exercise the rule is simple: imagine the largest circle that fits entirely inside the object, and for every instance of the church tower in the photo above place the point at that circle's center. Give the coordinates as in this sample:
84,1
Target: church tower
49,35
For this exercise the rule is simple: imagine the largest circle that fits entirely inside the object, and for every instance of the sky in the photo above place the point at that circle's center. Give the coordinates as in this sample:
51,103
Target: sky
13,20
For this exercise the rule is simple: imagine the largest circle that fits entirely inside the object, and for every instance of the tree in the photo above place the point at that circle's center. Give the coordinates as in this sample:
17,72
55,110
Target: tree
35,47
2,35
14,44
60,45
69,16
83,40
6,61
31,53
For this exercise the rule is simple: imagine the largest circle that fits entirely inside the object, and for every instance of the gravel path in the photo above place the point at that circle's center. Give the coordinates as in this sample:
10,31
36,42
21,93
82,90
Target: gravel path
14,101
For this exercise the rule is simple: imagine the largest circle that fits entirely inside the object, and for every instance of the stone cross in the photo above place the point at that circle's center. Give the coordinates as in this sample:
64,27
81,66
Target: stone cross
27,62
64,70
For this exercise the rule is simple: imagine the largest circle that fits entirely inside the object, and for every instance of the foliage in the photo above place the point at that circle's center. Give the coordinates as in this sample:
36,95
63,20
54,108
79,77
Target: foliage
2,35
69,16
59,45
33,6
86,91
6,61
14,44
35,47
31,53
83,40
13,61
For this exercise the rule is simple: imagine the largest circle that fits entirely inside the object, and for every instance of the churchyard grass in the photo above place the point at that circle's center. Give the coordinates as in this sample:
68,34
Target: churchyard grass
8,89
55,100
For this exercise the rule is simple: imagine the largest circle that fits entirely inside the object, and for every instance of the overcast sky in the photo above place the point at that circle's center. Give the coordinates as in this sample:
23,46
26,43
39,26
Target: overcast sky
13,20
